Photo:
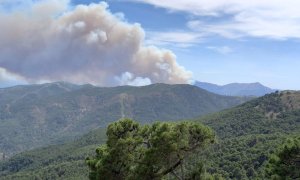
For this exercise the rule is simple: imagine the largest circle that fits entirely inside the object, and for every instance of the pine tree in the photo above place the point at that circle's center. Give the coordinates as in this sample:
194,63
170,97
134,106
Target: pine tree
146,152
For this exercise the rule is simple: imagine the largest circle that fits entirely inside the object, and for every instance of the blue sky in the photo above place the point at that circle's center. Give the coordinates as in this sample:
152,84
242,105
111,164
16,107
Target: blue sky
220,41
217,59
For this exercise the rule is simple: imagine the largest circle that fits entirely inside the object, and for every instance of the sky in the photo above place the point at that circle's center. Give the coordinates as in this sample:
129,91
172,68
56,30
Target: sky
138,42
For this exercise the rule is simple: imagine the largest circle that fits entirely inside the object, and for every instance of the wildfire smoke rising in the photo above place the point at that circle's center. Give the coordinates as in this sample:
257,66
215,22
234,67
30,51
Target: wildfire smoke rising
50,41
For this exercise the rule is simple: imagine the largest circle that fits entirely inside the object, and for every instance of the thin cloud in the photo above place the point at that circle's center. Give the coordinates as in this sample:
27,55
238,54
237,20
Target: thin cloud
275,19
221,49
178,39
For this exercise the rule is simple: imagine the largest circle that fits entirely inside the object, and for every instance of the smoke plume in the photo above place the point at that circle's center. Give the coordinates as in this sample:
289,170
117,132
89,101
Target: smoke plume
52,41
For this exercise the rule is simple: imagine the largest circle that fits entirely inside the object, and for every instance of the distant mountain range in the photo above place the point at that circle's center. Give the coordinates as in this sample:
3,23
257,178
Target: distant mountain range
246,134
39,115
236,89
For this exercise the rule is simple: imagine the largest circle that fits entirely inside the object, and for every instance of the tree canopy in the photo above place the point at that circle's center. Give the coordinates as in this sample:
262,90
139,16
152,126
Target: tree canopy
285,164
133,151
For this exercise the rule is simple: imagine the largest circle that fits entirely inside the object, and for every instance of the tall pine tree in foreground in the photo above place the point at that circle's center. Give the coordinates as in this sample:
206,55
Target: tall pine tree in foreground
149,152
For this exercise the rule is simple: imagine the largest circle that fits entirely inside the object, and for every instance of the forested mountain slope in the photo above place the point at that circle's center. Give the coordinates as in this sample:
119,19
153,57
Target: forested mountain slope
64,161
247,134
274,113
38,115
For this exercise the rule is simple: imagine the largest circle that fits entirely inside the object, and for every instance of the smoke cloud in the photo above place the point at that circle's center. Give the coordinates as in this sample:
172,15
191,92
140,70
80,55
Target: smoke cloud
51,41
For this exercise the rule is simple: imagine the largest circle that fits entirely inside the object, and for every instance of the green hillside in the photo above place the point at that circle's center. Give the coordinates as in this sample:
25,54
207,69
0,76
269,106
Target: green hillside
38,115
274,113
247,134
57,161
250,132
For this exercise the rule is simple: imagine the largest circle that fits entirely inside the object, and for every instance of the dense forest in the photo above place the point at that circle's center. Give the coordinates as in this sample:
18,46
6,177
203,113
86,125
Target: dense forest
252,141
39,115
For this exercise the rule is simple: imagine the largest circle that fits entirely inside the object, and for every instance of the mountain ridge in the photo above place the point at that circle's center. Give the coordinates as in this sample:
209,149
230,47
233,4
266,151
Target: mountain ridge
39,115
236,89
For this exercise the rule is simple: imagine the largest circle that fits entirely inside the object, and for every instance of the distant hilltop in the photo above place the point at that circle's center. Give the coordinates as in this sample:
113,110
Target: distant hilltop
236,89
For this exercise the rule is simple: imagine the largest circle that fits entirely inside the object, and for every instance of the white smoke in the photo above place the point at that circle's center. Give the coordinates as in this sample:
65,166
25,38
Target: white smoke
7,79
128,79
50,41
